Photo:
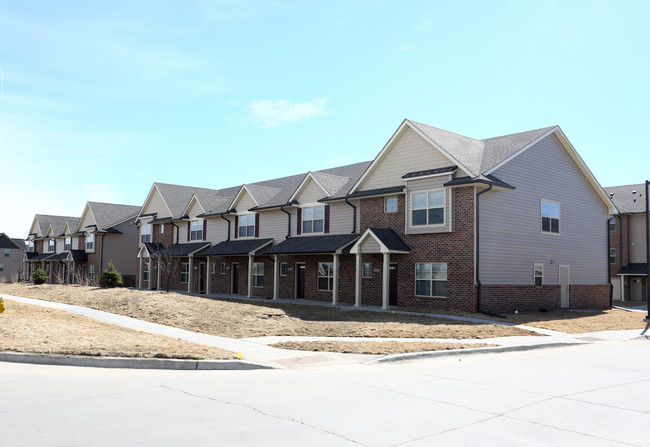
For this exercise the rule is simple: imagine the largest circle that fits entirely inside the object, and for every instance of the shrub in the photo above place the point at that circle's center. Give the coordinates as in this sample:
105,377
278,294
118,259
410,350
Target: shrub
111,277
39,276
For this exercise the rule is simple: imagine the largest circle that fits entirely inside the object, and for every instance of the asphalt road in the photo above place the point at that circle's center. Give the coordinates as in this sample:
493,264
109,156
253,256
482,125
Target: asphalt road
597,394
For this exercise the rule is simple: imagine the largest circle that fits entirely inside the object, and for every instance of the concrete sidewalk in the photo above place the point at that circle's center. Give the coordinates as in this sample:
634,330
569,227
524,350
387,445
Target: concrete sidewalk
257,354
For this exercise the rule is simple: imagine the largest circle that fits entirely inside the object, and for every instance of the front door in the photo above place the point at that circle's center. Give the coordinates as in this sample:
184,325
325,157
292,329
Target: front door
235,278
392,285
300,281
564,286
636,289
202,277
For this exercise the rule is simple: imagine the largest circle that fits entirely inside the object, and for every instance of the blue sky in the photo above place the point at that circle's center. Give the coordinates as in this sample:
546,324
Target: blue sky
100,99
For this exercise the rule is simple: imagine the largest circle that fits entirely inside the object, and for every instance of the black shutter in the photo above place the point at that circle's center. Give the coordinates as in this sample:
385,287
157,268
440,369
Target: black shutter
327,219
205,227
257,224
236,227
299,219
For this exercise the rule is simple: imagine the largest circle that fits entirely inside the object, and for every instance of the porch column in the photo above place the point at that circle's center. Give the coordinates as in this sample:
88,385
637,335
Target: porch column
208,274
622,288
74,273
158,275
276,277
357,281
140,276
335,280
150,273
250,276
189,275
384,281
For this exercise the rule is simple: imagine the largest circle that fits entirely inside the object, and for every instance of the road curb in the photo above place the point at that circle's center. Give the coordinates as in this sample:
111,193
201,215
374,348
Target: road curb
129,363
412,356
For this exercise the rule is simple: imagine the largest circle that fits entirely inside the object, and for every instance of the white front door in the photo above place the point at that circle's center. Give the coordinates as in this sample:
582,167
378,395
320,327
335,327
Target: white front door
564,286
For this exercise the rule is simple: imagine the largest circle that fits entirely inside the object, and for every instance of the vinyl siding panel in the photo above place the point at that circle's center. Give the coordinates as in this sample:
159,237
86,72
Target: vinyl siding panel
273,224
370,245
76,243
87,221
156,204
429,184
342,217
637,239
511,240
310,193
195,210
244,203
409,153
217,230
121,249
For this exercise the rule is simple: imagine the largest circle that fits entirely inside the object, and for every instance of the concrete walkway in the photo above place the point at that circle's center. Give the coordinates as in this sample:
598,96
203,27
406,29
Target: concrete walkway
256,352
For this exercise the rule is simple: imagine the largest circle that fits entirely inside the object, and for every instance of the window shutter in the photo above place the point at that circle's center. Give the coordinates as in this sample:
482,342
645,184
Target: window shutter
188,231
299,219
205,228
326,225
257,224
236,227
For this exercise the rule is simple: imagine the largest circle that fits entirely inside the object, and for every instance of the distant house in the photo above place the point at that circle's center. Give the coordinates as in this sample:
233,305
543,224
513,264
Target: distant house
627,249
47,240
12,252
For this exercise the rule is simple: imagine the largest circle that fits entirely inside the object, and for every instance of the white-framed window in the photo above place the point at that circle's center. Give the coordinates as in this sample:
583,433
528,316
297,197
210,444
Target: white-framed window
428,208
390,205
258,274
612,223
145,233
325,276
68,244
538,274
196,230
51,246
222,268
91,272
213,268
367,270
145,271
185,272
284,268
2,267
431,279
246,225
161,228
313,219
612,256
30,246
7,252
550,217
90,241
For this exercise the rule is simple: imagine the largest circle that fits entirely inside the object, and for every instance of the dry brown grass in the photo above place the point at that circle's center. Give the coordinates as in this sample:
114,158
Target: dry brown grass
375,347
236,319
39,330
578,322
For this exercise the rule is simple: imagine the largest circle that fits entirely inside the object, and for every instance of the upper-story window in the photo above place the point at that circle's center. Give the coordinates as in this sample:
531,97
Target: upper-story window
612,223
390,205
52,245
90,242
550,217
68,244
30,246
246,225
7,252
161,228
145,233
428,208
313,219
196,230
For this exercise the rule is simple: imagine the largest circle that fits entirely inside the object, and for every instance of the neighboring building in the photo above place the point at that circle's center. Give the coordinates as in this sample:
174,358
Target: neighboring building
627,250
12,253
437,220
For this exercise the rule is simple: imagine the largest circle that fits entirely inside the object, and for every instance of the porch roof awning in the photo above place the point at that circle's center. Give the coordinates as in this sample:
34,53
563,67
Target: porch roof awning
175,250
314,245
387,241
236,247
40,257
634,270
29,255
58,257
78,255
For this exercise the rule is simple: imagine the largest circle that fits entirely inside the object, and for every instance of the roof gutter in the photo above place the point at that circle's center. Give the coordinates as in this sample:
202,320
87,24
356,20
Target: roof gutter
221,215
354,216
288,221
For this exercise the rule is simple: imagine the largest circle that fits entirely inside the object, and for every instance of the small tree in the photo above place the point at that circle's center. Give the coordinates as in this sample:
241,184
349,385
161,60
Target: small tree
111,277
166,261
39,276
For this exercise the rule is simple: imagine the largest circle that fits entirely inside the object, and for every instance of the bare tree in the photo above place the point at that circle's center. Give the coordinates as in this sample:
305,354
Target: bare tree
164,259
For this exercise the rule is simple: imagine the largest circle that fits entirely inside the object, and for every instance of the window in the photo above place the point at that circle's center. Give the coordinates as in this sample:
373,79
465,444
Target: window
185,272
431,279
390,205
612,223
30,246
68,244
2,267
91,272
145,271
367,270
161,228
90,242
246,225
258,274
428,208
612,256
222,268
550,217
7,252
538,273
145,233
313,219
213,268
196,230
52,245
325,276
284,268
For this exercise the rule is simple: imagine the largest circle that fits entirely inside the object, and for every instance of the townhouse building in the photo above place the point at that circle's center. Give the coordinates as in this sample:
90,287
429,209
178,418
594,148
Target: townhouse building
436,220
48,238
12,253
627,250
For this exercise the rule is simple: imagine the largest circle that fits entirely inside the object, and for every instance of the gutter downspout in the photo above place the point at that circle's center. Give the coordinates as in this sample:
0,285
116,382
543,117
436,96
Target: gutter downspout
478,280
288,222
647,246
609,266
228,238
354,216
177,230
101,257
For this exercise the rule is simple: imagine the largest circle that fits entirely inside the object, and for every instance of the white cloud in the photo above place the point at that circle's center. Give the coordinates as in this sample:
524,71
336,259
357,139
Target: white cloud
273,113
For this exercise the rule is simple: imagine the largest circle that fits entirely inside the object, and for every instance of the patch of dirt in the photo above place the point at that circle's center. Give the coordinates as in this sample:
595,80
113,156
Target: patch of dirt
375,347
39,330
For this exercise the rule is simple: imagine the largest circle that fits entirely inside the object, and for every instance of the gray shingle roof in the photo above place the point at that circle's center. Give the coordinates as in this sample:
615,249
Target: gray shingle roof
178,196
109,214
314,244
176,249
214,204
57,222
634,269
235,247
390,239
20,243
7,242
629,199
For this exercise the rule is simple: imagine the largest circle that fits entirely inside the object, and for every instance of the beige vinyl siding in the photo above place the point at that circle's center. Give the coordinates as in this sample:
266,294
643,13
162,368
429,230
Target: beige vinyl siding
244,203
75,243
60,245
637,239
156,204
34,228
273,224
87,220
217,230
182,231
409,153
428,184
342,216
370,245
195,210
121,249
310,193
511,240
